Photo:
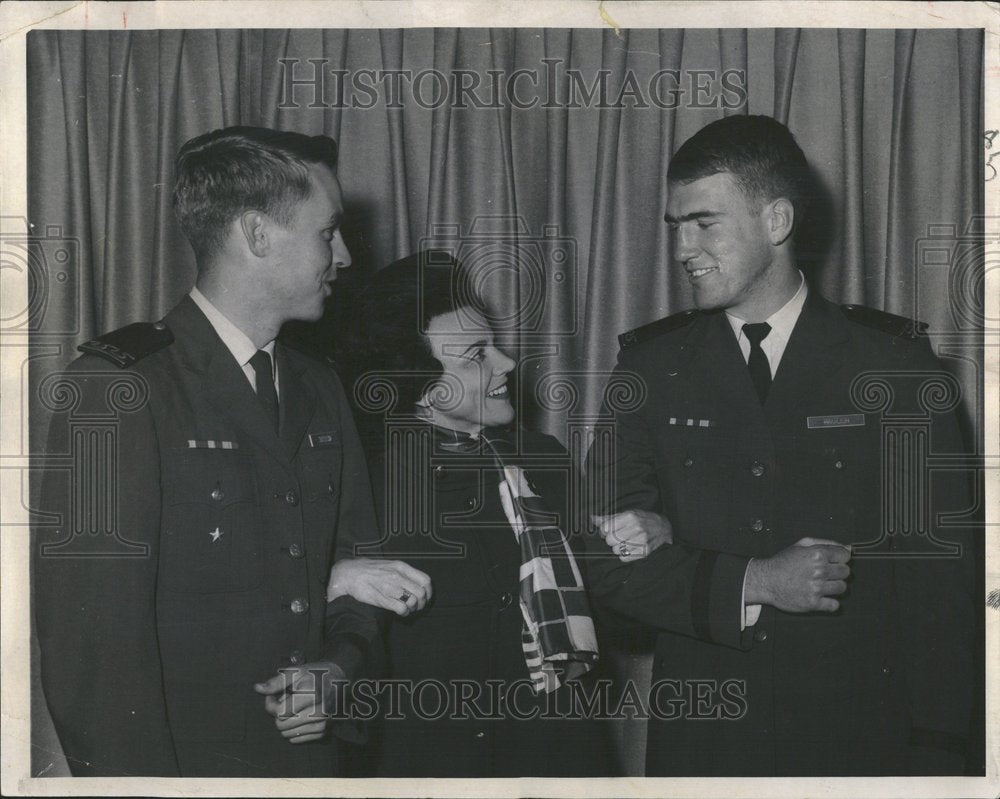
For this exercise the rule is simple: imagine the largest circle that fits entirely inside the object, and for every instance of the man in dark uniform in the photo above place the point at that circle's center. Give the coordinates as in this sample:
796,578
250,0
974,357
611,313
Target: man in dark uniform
777,425
195,646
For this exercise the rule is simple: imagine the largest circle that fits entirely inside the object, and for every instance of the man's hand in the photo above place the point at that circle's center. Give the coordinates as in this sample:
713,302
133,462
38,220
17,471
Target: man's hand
802,578
390,584
301,699
633,534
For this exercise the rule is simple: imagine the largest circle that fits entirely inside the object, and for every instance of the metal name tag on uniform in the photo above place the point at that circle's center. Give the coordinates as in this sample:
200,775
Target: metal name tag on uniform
840,420
322,439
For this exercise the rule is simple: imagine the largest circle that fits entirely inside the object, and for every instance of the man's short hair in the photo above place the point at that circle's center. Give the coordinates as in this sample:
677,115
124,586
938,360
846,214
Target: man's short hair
392,317
229,171
758,151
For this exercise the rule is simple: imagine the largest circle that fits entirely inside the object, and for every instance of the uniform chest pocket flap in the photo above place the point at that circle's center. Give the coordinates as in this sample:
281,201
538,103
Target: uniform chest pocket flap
211,537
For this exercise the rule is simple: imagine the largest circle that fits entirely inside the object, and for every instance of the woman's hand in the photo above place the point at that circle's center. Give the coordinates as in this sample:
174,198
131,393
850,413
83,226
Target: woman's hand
390,584
633,534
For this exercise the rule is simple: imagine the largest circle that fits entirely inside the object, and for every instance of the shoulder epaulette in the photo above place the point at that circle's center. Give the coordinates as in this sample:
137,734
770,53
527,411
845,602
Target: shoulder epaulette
664,325
127,345
899,326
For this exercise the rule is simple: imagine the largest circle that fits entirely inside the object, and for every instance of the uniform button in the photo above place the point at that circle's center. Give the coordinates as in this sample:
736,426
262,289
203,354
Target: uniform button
159,326
688,462
471,502
330,488
758,469
295,551
218,494
292,498
505,599
760,635
297,658
299,605
838,464
757,525
886,670
480,734
440,472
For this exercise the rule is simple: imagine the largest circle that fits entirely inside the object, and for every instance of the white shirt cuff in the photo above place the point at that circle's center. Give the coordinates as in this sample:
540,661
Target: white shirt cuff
749,614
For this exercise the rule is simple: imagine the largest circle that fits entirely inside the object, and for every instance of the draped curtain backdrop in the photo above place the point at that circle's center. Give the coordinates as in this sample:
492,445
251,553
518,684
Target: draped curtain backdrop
889,119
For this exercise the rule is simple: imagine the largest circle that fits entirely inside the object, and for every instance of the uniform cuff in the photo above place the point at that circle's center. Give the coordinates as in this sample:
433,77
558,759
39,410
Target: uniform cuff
717,598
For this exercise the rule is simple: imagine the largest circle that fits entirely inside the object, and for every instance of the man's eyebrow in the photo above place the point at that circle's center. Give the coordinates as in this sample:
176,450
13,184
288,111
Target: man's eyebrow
481,343
691,216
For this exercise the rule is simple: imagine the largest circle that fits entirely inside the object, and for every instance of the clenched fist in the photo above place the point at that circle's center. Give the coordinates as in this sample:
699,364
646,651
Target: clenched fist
633,534
802,578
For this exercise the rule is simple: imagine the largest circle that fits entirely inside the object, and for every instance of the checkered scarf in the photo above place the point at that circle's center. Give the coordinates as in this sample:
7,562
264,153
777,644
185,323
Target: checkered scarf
558,636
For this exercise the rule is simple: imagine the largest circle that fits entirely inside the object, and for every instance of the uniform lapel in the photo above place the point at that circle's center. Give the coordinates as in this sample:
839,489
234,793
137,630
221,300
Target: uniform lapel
297,402
814,354
719,374
224,383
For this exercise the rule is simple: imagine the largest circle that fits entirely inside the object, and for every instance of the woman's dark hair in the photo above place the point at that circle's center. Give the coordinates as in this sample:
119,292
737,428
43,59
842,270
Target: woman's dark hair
389,346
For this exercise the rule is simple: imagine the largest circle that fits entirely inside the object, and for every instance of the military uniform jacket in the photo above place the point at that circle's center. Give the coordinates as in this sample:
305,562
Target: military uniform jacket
882,686
442,515
224,533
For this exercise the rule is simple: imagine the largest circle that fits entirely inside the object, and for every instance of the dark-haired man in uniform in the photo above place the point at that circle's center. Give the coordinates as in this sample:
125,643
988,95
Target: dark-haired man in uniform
766,439
196,649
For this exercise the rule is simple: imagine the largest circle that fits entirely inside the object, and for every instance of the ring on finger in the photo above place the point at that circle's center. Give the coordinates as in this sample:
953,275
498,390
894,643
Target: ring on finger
624,551
405,597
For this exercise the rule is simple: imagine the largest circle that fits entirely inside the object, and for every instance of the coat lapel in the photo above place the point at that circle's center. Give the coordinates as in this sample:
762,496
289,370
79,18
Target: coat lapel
718,373
815,353
225,385
297,403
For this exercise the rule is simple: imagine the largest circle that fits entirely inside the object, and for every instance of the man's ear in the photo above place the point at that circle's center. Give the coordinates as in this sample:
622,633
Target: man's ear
254,228
780,220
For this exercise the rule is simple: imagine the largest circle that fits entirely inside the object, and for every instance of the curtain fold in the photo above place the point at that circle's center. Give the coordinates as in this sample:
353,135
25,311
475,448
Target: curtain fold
893,283
786,50
851,51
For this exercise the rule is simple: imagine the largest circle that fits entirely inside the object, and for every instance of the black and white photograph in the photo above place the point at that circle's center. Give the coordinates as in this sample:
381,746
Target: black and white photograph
480,399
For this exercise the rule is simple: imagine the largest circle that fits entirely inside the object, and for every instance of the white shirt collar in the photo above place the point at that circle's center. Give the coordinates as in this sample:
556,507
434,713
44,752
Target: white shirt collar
782,323
236,341
783,320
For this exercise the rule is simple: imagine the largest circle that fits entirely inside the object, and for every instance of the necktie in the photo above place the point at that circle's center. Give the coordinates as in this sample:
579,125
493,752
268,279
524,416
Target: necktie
261,363
760,369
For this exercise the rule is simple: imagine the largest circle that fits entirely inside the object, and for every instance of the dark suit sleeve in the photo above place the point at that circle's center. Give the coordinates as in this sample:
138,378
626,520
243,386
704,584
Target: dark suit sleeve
678,588
353,628
94,597
934,601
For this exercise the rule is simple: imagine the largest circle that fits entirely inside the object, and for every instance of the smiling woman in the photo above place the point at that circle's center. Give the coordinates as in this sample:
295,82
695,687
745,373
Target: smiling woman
506,642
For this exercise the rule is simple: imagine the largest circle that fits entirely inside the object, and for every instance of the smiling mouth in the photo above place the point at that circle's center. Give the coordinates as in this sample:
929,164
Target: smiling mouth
500,392
694,274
